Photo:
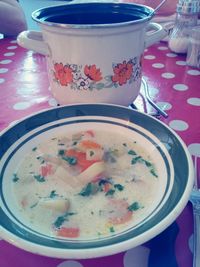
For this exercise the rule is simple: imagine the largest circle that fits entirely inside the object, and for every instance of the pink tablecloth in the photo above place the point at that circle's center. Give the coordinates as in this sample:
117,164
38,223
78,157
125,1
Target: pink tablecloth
24,89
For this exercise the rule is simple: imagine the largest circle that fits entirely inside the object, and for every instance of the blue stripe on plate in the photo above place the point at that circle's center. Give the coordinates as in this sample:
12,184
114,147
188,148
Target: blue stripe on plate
76,122
165,136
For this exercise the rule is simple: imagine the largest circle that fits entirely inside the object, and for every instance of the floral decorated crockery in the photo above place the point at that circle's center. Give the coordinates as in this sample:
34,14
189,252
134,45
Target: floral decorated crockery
89,77
93,49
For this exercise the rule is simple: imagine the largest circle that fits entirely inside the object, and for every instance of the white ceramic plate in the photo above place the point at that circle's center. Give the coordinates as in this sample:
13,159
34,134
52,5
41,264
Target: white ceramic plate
174,168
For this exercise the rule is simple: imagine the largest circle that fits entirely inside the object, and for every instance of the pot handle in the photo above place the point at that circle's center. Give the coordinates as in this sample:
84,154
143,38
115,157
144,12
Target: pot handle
33,40
155,33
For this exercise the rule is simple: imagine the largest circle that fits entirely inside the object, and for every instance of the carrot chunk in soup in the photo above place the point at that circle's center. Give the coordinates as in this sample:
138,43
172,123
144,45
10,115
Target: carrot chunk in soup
86,185
68,232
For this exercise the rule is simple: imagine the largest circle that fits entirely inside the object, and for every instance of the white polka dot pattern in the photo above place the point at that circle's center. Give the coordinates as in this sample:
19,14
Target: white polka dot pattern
158,65
136,257
171,55
173,78
3,70
153,91
194,101
6,61
193,72
164,105
52,102
70,263
9,54
168,75
21,105
2,80
178,125
11,47
150,57
180,63
162,48
194,149
180,87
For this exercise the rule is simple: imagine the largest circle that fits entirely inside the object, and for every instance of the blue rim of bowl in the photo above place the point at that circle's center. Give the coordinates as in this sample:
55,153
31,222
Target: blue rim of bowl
171,141
76,121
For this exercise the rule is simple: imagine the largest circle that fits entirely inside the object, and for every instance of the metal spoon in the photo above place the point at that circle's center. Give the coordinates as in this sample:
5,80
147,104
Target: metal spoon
157,8
147,96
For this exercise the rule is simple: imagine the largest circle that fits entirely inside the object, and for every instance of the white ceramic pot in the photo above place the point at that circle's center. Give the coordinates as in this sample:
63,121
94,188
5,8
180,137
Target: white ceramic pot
94,50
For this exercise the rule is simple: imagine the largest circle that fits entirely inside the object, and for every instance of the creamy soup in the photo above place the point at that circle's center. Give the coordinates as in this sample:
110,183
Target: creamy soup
86,185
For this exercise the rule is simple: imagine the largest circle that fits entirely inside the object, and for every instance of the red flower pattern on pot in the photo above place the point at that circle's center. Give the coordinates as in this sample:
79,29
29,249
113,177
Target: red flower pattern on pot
122,72
63,74
89,77
93,73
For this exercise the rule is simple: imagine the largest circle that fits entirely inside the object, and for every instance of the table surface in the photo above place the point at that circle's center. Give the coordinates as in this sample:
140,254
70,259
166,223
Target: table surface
24,89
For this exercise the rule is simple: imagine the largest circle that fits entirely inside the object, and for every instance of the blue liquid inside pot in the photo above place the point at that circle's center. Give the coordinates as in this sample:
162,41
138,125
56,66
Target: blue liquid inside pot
93,14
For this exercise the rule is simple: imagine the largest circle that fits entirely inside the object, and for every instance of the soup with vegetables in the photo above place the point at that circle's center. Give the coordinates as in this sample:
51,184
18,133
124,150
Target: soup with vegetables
91,184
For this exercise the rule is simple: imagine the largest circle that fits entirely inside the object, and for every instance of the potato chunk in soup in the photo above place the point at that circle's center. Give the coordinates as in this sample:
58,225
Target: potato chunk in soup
86,185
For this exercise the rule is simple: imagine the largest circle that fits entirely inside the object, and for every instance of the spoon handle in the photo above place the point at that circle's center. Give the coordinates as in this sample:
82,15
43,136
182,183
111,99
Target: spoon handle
158,7
146,90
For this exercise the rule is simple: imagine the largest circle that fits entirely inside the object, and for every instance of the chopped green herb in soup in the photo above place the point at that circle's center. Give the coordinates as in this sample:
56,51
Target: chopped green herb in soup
87,185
